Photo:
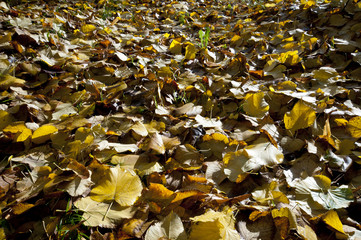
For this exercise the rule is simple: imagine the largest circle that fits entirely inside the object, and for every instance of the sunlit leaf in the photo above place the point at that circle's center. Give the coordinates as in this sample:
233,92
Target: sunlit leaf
320,189
217,225
171,227
301,116
255,105
43,134
87,28
331,219
118,185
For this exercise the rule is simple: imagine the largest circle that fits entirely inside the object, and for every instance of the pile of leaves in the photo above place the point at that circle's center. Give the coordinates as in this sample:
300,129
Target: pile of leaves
180,120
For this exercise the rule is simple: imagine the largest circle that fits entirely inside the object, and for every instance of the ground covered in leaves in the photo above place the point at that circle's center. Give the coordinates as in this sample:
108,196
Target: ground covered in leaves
180,120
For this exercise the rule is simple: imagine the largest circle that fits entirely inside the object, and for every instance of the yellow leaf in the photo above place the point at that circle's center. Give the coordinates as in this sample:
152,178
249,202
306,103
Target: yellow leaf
43,133
255,105
165,72
279,197
10,81
341,122
285,212
354,127
301,116
290,57
5,119
87,28
323,181
118,185
287,85
184,195
236,41
217,137
345,146
21,207
159,194
216,225
331,219
175,47
190,51
308,3
14,127
23,136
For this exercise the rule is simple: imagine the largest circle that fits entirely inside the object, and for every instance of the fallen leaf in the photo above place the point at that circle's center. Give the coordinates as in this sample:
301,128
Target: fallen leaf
354,127
171,227
118,185
301,116
43,133
100,214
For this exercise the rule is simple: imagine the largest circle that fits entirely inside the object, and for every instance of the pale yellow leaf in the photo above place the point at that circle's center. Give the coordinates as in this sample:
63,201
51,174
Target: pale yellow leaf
118,185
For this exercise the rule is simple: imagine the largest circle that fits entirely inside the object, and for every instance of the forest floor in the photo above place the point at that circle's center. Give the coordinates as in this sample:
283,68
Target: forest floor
180,120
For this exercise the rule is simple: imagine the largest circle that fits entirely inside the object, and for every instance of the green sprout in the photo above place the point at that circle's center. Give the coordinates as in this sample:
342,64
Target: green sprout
204,37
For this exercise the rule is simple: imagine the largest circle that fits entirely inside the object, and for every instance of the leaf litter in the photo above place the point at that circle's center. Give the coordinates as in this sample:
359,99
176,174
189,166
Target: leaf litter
180,119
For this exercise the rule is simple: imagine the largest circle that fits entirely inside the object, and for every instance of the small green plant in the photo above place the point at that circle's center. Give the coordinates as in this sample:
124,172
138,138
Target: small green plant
204,37
69,226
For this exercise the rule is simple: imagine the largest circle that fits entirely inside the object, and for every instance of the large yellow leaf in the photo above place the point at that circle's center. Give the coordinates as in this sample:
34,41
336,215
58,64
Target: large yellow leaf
118,185
255,105
331,219
190,51
301,116
175,47
354,127
43,133
214,226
